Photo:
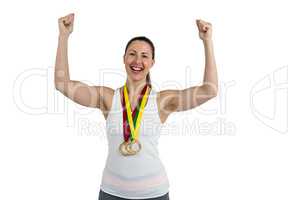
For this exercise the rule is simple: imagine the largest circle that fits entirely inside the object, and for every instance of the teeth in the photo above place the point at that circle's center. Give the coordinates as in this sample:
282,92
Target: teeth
136,68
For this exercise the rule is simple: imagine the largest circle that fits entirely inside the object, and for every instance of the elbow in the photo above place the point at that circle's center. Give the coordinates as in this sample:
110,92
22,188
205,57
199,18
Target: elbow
59,85
56,84
216,90
211,95
211,90
58,88
215,93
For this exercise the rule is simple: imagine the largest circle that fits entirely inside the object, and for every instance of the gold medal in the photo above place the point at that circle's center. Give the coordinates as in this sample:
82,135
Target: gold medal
123,149
134,147
126,148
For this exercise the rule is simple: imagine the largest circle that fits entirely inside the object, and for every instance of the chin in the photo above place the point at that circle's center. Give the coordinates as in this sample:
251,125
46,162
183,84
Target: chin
135,78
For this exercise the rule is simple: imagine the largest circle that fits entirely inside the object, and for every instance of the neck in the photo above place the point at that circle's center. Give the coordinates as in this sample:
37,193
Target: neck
134,88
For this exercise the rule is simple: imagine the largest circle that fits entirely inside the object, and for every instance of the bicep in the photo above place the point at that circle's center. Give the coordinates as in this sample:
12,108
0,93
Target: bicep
189,98
86,95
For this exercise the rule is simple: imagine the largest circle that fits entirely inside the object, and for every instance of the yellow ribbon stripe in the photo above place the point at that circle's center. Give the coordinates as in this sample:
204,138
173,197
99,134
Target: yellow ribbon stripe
134,131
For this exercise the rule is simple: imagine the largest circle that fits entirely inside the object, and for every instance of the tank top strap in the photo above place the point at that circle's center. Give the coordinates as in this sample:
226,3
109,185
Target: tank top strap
115,108
152,108
117,97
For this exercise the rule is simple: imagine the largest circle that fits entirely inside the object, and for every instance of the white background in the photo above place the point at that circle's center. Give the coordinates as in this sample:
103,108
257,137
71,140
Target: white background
244,144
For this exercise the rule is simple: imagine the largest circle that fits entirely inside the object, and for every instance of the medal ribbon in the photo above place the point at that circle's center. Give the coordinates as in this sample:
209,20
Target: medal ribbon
135,125
126,128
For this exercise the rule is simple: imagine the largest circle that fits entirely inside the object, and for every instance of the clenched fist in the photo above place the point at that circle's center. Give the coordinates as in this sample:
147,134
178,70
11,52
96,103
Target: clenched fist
66,25
205,29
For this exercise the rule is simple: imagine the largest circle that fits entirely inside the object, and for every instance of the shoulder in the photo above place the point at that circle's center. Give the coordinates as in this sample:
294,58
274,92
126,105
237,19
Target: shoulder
166,103
167,98
106,95
105,92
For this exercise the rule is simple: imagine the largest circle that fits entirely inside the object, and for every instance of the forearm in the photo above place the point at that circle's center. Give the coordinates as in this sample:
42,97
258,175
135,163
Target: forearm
210,72
61,64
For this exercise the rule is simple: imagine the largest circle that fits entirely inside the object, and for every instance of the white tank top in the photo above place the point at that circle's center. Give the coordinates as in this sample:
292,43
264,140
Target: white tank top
142,175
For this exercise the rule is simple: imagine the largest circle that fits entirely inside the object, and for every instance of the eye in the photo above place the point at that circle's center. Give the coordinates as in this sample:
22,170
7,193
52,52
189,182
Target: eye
145,56
132,54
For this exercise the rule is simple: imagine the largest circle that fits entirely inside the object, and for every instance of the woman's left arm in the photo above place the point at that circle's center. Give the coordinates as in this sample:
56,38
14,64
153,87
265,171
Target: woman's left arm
181,100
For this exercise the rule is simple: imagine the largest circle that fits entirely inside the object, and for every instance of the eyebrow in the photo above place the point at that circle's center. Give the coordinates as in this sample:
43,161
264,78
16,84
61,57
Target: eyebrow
136,51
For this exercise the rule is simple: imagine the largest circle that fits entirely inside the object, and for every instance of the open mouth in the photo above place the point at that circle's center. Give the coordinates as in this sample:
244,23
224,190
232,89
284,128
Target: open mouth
136,68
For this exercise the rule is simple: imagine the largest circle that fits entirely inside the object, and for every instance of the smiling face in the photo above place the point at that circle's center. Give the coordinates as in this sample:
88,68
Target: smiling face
138,60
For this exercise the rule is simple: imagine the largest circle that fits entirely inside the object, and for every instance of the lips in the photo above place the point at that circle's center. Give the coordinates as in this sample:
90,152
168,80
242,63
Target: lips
136,68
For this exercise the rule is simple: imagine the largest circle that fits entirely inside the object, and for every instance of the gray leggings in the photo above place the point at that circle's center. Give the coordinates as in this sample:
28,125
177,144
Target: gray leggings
106,196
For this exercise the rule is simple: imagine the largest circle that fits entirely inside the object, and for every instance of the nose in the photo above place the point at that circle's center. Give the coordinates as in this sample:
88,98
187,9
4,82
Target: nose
138,59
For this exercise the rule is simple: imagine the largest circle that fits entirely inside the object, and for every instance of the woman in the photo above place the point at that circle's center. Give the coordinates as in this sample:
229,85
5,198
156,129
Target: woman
133,169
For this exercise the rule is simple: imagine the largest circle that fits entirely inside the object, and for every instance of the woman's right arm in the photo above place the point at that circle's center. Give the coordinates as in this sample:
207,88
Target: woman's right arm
83,94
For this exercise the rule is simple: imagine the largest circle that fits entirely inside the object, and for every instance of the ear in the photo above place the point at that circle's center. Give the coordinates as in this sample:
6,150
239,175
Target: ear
153,62
124,58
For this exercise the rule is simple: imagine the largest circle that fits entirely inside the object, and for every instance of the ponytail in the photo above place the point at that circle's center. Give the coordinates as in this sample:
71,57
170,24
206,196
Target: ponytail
148,79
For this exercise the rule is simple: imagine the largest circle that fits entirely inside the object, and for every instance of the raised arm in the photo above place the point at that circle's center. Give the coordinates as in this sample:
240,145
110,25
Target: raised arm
81,93
181,100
